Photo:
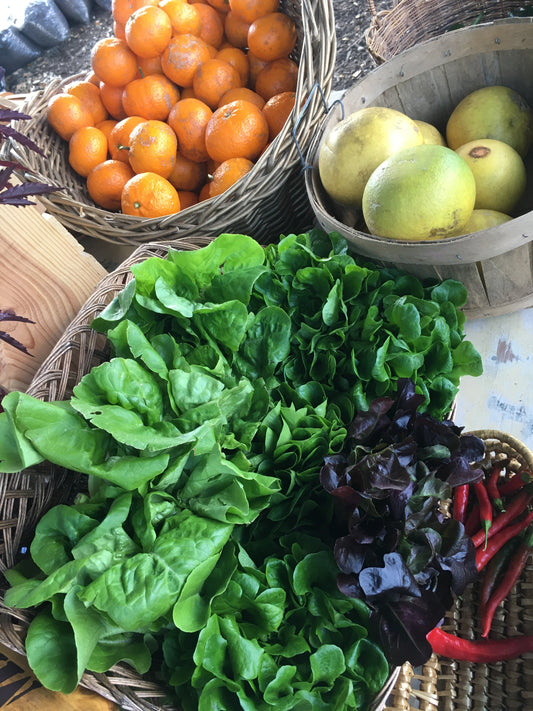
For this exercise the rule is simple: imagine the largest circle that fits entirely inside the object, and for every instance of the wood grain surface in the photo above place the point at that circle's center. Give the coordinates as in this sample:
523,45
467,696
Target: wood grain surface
46,276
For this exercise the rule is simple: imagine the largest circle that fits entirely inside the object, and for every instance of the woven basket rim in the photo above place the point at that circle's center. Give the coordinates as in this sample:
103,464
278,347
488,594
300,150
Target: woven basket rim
410,22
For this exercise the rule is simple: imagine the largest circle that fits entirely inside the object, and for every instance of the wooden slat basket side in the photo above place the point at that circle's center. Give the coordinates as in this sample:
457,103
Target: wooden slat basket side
269,200
409,22
426,82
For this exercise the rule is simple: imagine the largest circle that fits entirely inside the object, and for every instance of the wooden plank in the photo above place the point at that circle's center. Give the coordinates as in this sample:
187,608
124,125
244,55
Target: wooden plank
46,276
20,690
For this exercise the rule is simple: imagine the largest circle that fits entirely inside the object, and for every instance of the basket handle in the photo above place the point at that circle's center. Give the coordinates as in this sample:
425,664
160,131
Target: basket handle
316,88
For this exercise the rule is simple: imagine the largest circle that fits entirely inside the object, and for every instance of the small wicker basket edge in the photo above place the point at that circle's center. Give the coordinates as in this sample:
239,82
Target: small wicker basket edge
409,22
269,200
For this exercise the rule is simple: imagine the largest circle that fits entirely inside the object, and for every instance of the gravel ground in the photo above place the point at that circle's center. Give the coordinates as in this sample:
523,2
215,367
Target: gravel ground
352,17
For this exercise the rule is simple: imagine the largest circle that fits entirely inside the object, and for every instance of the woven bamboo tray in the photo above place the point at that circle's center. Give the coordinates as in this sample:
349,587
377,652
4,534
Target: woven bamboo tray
268,201
26,496
426,82
408,22
445,685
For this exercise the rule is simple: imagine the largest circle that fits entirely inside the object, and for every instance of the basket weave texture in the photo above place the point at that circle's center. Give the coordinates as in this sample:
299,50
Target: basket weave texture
440,685
408,22
268,201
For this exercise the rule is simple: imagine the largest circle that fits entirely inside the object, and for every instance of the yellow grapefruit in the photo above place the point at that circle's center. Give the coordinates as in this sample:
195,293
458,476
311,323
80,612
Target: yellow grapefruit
421,193
483,220
430,133
499,172
492,112
357,145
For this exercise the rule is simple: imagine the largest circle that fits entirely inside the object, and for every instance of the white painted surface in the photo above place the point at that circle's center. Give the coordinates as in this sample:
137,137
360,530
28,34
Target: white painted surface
501,398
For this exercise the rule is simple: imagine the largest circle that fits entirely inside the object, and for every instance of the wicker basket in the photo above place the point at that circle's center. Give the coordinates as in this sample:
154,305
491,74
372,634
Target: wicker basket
268,201
426,82
26,496
408,22
445,685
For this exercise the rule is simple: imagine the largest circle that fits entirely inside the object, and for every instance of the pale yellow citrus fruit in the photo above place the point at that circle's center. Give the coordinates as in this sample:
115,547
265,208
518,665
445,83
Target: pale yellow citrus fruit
425,192
492,112
430,133
499,172
483,220
357,145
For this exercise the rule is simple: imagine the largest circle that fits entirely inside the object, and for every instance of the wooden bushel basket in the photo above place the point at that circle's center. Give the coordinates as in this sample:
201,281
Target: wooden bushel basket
426,82
268,201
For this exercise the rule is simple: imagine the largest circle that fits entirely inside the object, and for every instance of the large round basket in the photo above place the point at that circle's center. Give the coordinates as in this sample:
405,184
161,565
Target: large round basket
268,201
26,496
408,22
426,82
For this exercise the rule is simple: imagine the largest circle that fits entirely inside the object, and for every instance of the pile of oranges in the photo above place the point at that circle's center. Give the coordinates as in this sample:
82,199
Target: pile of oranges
180,103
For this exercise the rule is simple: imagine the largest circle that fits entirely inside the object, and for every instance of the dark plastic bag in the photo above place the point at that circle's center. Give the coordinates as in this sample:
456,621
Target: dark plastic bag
16,50
105,4
43,23
77,12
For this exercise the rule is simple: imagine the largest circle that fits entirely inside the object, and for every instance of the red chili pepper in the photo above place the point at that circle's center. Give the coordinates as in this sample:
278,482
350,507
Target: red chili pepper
515,483
483,555
513,572
485,507
459,502
483,651
494,570
492,486
473,521
515,508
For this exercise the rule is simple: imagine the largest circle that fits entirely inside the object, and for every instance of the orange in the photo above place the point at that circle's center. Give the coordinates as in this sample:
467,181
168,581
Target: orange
119,138
113,61
106,127
250,10
153,147
87,148
182,56
228,173
187,174
238,60
204,192
212,25
213,79
122,9
119,30
255,64
149,195
184,18
188,93
272,36
188,198
106,181
221,6
112,99
151,97
277,110
89,94
148,65
277,77
148,31
236,130
242,92
66,113
236,30
189,118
